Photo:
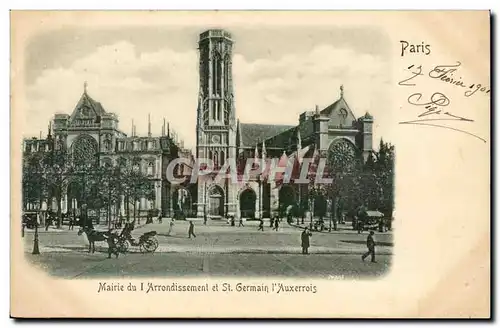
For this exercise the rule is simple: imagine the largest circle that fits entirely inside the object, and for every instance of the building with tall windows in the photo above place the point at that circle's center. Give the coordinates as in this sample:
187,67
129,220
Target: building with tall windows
221,136
90,134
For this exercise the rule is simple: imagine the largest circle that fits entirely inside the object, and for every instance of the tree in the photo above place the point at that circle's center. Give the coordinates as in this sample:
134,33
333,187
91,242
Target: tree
344,168
384,170
33,179
58,172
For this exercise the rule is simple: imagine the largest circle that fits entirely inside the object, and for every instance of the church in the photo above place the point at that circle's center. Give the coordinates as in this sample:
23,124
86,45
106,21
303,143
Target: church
91,132
220,135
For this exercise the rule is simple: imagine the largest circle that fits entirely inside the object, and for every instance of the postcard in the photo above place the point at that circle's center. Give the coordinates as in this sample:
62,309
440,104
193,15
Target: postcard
250,164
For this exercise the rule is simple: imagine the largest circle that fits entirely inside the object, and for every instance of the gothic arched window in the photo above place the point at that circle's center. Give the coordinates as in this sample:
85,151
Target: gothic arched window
217,67
107,144
226,74
122,163
342,156
84,150
136,164
216,159
151,168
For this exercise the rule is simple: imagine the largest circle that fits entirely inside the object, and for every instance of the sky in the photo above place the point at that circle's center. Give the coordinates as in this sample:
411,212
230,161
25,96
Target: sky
278,73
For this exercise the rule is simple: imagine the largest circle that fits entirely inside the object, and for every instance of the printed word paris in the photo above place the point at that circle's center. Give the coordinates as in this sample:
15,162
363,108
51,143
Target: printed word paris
411,48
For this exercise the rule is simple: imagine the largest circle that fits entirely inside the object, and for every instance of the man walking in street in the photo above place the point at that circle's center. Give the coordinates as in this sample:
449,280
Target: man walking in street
305,240
370,243
191,229
71,222
276,223
261,225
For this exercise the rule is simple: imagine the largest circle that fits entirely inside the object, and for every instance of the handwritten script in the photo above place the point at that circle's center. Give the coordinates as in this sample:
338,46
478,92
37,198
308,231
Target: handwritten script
434,107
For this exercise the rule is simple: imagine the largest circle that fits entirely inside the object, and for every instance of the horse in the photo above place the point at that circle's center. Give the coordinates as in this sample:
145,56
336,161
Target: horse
93,236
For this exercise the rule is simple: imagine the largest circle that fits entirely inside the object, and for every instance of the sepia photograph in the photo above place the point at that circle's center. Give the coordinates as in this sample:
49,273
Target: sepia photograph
251,157
306,191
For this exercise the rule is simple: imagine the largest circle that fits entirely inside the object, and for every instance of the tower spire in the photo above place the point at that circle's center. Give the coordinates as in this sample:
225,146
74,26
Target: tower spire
264,152
49,132
85,84
149,125
163,128
132,133
168,129
341,91
299,140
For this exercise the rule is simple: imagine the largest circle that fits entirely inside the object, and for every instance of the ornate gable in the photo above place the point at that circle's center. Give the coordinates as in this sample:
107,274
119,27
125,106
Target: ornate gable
87,111
341,116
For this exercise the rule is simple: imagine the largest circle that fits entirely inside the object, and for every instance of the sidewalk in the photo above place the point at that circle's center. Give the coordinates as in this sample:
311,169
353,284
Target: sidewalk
266,249
65,228
207,249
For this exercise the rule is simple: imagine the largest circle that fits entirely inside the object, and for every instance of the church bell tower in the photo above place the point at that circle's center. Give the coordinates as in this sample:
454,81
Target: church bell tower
216,122
216,126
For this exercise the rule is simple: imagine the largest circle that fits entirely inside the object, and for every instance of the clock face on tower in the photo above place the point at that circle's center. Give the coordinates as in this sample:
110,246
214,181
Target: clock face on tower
216,139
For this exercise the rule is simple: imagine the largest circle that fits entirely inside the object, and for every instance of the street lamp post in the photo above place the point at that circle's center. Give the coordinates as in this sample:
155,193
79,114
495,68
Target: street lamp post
205,203
36,250
259,182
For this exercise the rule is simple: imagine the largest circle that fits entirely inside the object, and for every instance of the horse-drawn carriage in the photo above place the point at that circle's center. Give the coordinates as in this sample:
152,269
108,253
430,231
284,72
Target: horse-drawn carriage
147,242
370,221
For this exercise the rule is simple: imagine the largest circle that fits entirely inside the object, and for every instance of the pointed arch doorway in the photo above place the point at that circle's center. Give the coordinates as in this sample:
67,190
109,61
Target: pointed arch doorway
216,202
247,203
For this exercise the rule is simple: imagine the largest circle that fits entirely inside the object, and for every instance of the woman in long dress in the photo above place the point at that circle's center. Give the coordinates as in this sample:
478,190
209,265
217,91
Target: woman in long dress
171,227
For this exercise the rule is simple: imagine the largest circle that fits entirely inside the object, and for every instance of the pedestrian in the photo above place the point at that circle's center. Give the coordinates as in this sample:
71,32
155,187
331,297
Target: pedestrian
276,223
271,222
232,220
370,243
171,227
160,219
71,223
261,225
111,239
305,240
204,218
191,229
47,221
241,222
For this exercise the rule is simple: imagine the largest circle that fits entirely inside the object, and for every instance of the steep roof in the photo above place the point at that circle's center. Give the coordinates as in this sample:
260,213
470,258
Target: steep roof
95,107
251,134
339,112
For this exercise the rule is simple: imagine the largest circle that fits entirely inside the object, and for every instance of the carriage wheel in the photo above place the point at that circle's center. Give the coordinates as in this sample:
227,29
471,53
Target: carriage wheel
150,245
123,246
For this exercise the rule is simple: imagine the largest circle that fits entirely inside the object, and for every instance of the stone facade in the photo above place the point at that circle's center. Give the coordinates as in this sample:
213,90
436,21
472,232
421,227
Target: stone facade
220,137
90,135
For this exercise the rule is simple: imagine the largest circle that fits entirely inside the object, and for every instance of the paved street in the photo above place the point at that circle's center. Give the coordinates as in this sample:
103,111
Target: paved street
218,249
